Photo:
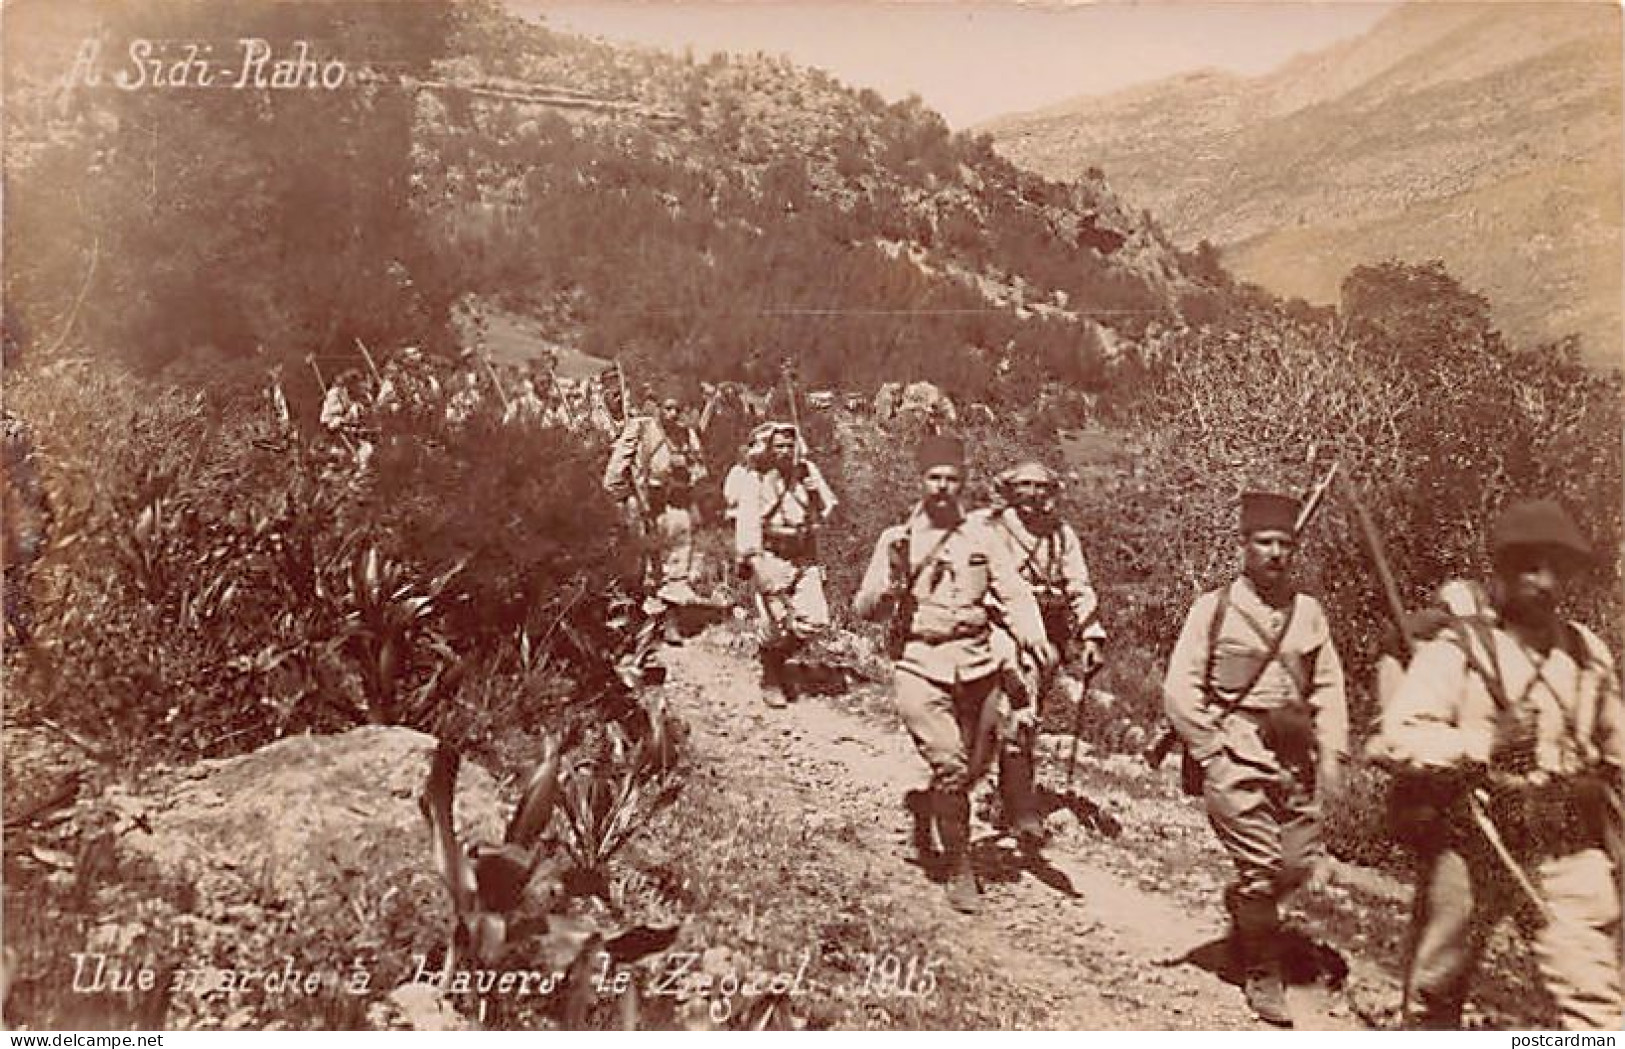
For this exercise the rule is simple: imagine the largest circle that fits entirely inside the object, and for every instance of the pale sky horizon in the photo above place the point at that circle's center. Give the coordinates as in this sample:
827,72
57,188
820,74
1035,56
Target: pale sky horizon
976,60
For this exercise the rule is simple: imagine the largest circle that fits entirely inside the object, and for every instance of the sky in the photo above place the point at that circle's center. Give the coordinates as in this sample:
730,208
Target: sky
976,59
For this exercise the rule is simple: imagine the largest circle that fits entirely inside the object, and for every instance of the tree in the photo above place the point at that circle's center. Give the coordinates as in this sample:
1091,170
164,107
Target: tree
233,220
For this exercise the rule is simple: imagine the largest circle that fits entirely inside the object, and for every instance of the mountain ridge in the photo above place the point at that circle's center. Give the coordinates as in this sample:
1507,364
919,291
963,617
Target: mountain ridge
1503,115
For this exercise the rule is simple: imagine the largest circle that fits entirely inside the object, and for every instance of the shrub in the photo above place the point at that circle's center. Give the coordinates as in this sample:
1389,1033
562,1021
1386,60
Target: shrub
217,580
1437,435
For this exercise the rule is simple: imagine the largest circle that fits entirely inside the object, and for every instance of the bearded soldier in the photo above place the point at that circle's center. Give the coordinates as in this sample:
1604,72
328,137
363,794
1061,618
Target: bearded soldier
1515,719
780,500
1255,689
1050,558
934,577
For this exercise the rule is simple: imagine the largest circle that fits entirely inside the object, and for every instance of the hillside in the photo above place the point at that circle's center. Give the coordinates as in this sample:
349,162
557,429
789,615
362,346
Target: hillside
1487,135
739,211
747,209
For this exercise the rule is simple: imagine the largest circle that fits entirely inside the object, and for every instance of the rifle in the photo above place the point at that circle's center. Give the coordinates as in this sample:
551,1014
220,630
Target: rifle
372,366
490,370
815,502
1158,752
902,616
626,402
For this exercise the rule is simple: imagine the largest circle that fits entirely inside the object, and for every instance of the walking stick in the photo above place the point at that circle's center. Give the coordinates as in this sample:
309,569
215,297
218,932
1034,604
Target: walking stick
1077,723
1492,835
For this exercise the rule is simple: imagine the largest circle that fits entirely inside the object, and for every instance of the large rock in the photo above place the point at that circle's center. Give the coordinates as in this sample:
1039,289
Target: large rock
302,819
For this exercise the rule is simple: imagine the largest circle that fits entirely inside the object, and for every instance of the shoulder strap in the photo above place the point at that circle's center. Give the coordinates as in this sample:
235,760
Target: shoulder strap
1575,645
915,571
1030,561
1271,654
1465,633
1220,606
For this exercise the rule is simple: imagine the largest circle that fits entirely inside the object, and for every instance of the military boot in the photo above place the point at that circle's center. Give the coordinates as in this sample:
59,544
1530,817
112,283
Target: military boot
775,687
1255,940
920,805
1016,795
953,829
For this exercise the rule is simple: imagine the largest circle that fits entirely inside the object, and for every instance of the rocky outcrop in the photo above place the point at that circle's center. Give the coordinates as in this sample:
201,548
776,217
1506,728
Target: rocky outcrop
300,819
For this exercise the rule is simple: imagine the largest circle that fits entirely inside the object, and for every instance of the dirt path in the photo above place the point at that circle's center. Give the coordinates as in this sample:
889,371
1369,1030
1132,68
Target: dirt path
1104,939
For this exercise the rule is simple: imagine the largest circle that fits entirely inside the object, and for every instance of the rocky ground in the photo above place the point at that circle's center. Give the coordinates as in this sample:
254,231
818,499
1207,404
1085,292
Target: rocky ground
1110,935
787,854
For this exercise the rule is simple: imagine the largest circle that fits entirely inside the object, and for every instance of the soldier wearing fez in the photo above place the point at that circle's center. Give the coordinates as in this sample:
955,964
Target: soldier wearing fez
933,577
1255,690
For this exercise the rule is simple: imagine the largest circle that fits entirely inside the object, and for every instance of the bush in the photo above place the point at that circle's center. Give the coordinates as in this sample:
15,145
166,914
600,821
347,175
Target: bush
1436,435
218,581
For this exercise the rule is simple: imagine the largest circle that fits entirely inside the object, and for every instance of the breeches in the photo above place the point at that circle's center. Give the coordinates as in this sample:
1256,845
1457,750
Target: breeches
1266,817
790,600
949,727
1464,892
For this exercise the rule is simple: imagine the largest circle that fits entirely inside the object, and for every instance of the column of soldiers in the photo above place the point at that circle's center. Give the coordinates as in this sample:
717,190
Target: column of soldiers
1509,710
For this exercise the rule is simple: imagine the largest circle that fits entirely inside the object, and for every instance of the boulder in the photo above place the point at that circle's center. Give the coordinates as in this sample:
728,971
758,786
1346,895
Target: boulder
299,821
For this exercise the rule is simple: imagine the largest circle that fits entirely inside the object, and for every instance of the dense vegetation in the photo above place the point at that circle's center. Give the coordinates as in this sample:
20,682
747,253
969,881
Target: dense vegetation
219,576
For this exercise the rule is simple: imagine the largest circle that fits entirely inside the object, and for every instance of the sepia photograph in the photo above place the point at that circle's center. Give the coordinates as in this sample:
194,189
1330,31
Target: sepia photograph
812,515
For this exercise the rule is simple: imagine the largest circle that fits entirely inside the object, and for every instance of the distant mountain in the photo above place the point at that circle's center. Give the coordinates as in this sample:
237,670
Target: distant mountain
1484,134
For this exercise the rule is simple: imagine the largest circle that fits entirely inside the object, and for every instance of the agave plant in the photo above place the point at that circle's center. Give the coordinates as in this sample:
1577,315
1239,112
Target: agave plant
609,793
387,625
487,882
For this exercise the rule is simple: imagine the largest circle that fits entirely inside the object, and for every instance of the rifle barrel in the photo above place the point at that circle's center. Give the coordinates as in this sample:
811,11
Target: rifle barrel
1379,560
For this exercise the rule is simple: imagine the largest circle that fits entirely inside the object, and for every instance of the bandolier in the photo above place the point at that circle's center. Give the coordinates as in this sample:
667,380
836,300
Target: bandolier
1255,688
780,500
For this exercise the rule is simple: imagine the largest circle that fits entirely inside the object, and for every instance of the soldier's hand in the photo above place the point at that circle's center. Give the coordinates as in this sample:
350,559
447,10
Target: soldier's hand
1046,655
1090,657
1320,875
1021,720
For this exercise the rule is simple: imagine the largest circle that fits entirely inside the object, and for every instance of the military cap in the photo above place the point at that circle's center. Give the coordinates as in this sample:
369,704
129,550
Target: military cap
1540,523
1268,512
940,449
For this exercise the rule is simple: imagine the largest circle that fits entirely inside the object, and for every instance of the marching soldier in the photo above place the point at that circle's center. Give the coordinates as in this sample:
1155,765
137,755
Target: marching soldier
933,577
1517,723
1050,558
1255,689
654,479
780,501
